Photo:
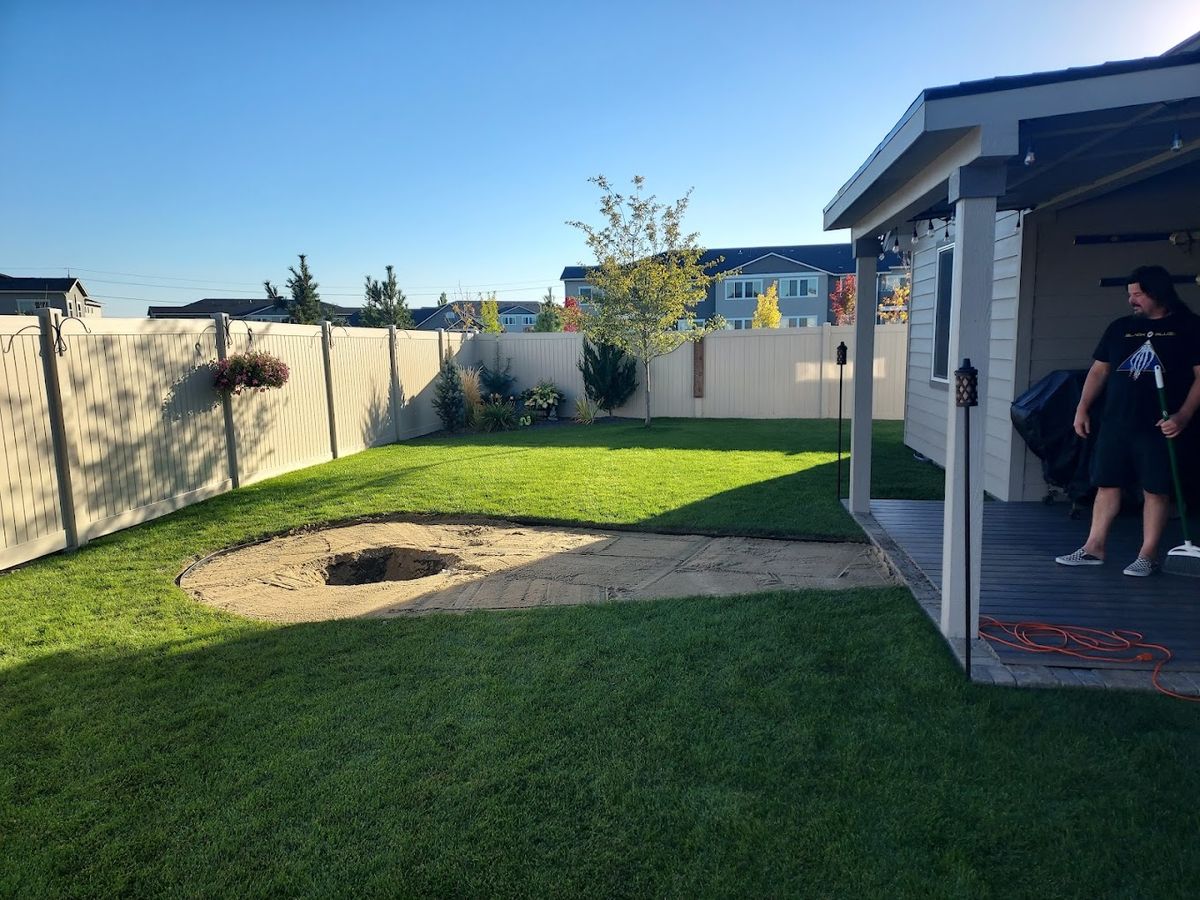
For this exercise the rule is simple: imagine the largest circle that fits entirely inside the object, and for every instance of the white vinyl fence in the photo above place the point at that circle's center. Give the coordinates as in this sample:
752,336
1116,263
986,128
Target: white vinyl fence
107,424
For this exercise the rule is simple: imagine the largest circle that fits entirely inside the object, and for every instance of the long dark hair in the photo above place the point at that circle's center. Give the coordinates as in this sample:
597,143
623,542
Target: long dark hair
1156,283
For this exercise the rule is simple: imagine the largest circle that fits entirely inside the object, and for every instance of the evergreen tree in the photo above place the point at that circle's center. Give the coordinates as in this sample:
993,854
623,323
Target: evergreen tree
448,398
304,306
609,376
489,314
443,299
385,303
274,296
550,315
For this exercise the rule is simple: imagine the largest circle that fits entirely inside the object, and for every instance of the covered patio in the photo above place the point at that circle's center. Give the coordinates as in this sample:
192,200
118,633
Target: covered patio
1025,201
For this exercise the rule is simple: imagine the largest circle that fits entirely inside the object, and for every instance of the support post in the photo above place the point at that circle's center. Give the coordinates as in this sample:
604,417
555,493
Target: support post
973,191
394,365
441,346
867,286
66,454
231,453
327,356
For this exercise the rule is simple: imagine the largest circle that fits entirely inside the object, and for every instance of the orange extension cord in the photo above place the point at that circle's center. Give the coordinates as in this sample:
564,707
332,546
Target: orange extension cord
1082,643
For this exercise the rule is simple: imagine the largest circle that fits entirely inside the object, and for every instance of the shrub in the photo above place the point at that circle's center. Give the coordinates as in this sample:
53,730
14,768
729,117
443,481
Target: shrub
468,376
448,397
609,376
544,397
497,415
253,370
585,410
496,380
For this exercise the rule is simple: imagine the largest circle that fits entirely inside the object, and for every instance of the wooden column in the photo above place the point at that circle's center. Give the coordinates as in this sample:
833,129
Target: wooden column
973,191
866,284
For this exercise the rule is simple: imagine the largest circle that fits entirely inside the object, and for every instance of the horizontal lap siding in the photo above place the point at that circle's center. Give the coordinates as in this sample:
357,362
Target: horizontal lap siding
927,400
30,512
362,388
285,428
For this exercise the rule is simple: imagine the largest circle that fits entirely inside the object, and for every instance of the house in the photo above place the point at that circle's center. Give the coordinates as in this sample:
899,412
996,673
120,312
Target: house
25,296
514,317
1026,200
258,310
805,274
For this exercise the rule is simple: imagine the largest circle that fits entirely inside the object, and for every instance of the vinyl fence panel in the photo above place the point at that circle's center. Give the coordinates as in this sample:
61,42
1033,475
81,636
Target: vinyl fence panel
30,519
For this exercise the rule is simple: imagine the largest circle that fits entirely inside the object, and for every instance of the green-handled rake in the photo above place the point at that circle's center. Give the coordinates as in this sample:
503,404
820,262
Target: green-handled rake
1184,559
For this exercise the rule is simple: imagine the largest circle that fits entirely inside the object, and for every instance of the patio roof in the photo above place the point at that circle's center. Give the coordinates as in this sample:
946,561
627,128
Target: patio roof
1092,129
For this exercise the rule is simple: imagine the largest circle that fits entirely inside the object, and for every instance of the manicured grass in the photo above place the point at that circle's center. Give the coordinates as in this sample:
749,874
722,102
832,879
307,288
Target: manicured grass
792,743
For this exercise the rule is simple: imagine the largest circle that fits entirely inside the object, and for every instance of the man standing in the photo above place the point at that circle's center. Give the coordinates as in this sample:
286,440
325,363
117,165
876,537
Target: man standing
1132,445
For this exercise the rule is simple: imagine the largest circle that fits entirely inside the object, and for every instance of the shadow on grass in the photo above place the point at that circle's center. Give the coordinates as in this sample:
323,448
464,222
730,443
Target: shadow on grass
812,742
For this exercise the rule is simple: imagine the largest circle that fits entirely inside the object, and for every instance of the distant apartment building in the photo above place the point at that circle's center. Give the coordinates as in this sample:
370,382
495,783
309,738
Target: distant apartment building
25,296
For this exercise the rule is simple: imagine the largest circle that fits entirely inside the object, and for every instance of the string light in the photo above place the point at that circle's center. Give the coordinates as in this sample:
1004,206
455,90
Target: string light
1030,156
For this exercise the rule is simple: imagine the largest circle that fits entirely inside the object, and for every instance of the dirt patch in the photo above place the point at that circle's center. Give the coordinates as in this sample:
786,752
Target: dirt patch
396,568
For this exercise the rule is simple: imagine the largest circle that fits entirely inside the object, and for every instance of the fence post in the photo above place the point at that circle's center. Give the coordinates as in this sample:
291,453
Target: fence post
441,346
231,454
327,354
66,455
394,365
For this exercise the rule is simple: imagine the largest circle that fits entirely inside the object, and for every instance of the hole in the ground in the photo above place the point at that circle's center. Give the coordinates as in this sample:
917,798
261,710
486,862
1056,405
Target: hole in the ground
385,564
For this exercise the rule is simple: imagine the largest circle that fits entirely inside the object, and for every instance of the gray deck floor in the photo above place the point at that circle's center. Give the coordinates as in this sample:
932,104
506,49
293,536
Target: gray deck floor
1021,581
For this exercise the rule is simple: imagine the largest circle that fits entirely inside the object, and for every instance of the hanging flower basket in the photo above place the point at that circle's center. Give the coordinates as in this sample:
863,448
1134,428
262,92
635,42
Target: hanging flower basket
254,370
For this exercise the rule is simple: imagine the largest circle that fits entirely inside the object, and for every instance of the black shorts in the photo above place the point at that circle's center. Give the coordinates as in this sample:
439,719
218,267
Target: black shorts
1138,458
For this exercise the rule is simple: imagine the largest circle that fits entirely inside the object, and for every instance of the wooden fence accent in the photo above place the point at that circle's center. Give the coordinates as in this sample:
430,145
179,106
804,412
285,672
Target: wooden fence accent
111,422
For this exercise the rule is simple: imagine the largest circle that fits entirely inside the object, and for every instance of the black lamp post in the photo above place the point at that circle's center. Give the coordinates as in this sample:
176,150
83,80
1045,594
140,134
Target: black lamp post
966,395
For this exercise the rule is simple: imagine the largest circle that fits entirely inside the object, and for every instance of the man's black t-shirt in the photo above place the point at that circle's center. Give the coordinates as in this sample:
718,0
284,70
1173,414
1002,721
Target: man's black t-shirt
1133,346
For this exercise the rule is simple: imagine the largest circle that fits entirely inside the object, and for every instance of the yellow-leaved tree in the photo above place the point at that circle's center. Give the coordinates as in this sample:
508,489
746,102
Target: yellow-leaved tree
766,314
649,276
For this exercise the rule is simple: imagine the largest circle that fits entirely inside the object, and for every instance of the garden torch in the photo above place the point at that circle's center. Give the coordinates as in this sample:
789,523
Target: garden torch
966,395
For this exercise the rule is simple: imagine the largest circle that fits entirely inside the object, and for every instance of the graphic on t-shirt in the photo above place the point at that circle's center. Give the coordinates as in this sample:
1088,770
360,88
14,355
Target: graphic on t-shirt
1143,359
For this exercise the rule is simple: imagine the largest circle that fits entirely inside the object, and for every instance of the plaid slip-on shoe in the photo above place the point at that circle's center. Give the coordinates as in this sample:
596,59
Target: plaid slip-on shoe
1079,558
1141,568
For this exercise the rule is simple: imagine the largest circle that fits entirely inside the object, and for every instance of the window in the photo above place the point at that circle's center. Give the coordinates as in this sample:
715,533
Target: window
802,321
585,293
739,324
791,288
941,315
743,289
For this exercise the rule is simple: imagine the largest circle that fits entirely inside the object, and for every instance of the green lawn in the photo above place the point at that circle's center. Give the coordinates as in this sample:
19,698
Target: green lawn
789,743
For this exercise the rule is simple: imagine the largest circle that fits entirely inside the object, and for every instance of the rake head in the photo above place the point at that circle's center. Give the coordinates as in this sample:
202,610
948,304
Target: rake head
1183,560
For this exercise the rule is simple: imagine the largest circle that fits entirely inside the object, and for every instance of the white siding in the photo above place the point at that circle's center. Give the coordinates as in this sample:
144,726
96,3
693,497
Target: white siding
925,414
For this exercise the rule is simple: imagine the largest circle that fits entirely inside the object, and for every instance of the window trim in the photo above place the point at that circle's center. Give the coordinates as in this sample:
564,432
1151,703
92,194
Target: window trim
937,296
814,280
730,282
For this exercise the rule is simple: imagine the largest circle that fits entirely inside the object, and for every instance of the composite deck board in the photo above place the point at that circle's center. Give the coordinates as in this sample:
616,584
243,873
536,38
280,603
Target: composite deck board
1021,581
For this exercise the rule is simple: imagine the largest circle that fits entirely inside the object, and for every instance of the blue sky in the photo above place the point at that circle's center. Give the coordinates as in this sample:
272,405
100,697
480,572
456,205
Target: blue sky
168,151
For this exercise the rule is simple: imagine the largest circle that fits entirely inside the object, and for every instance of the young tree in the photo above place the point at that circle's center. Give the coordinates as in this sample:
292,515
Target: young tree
448,397
443,299
648,275
766,314
609,376
572,314
385,303
894,309
549,317
304,306
489,314
842,300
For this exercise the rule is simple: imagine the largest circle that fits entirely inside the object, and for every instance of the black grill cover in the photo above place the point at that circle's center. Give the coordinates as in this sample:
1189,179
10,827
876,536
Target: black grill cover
1044,416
